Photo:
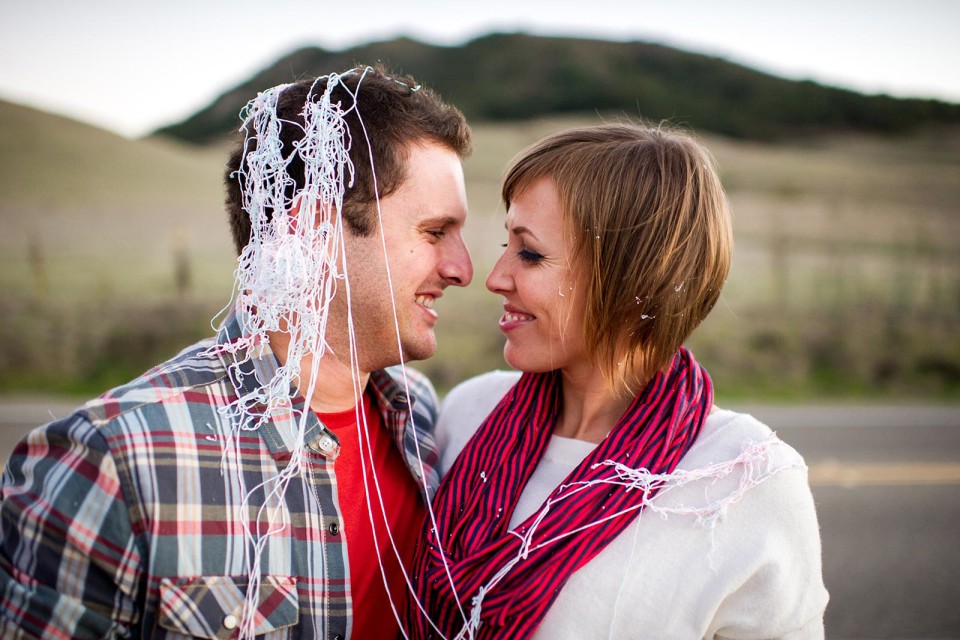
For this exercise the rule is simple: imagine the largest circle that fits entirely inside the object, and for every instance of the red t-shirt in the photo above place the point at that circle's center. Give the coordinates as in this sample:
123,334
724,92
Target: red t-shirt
405,511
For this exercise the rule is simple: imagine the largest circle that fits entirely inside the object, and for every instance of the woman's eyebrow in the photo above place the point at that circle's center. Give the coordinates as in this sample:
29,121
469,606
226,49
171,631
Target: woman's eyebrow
520,230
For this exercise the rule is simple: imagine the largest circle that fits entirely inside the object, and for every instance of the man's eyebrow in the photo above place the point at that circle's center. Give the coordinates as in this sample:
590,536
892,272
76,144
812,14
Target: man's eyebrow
440,221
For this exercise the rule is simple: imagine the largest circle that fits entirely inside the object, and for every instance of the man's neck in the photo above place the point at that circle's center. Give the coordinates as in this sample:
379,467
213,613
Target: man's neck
336,387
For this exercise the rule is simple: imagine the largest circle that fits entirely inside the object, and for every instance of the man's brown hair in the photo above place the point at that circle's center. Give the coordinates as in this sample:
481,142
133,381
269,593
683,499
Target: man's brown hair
652,238
391,111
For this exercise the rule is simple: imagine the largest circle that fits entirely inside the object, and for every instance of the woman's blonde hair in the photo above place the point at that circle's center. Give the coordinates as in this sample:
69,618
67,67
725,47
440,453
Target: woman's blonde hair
651,228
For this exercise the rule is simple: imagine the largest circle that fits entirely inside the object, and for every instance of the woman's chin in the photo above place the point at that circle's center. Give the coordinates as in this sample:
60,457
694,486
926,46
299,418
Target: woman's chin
512,359
523,361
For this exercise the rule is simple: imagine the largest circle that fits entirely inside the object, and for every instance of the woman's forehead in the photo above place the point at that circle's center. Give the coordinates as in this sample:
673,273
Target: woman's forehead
536,210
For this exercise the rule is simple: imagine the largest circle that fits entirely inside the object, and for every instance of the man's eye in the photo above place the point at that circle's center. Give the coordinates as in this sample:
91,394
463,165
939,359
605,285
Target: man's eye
437,233
528,256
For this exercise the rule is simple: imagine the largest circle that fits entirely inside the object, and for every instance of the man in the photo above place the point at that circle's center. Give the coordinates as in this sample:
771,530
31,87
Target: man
272,480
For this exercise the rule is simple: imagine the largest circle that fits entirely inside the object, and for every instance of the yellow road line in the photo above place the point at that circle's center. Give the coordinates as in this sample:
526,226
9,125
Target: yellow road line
841,474
833,473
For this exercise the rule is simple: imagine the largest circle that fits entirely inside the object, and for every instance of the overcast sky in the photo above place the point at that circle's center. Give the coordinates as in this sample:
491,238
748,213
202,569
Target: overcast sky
131,66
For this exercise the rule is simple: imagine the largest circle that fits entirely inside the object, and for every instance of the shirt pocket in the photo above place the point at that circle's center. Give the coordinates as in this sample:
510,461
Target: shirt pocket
212,607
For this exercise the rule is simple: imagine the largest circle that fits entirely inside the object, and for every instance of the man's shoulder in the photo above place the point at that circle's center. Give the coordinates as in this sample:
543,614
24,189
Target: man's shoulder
397,380
179,382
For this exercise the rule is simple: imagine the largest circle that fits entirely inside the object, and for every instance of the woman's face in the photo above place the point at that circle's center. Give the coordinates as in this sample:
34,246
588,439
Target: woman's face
543,304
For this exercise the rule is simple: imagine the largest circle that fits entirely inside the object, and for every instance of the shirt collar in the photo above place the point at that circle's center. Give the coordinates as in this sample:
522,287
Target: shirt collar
249,366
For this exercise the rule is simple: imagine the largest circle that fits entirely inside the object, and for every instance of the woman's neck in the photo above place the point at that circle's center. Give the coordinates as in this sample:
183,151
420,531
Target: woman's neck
589,410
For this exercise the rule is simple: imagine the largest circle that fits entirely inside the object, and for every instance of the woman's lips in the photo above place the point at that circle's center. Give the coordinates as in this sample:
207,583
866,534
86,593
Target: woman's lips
513,319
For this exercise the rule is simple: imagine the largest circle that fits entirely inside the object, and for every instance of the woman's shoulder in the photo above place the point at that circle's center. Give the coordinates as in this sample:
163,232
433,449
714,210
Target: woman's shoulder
478,395
464,408
496,382
738,459
727,434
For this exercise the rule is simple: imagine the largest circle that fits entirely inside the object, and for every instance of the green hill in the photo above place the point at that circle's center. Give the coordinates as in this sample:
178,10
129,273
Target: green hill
49,162
95,211
115,253
517,76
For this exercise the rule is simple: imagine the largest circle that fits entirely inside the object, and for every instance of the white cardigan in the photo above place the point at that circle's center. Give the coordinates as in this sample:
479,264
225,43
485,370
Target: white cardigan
731,551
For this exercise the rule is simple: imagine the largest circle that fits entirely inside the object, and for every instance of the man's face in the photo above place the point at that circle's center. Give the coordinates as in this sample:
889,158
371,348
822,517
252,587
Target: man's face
422,225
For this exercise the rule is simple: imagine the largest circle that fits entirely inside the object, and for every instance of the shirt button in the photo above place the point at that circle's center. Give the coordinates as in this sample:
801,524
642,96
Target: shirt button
230,622
334,528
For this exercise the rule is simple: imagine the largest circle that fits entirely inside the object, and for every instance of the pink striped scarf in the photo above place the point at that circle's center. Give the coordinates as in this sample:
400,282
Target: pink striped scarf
478,495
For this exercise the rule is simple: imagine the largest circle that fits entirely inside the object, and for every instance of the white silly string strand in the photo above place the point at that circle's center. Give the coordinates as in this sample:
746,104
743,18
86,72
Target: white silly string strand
754,462
366,450
286,277
365,446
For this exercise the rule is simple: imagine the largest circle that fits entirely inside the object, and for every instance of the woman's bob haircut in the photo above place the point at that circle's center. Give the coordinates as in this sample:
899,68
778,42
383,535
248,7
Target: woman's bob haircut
651,233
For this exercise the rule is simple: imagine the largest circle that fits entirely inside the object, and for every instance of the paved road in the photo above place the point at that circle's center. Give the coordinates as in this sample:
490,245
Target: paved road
887,487
887,484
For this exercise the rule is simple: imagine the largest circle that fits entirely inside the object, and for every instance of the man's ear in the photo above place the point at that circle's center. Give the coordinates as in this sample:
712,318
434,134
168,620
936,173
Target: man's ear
326,213
293,217
323,212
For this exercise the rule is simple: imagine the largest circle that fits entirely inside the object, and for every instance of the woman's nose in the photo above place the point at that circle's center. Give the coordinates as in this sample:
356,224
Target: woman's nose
499,279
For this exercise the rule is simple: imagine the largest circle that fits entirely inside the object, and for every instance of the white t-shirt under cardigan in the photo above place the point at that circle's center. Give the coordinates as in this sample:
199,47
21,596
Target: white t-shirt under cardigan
733,554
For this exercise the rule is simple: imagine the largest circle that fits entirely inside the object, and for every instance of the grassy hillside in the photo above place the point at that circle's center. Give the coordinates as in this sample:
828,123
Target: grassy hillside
515,76
77,201
846,279
113,252
846,274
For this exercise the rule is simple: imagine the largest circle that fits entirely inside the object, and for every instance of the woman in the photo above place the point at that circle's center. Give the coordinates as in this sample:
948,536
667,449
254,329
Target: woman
600,494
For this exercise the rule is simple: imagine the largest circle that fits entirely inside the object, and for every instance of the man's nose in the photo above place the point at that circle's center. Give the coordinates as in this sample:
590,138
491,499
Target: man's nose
456,267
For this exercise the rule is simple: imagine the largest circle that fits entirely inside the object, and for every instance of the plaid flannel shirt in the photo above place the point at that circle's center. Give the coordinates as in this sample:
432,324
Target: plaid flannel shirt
122,520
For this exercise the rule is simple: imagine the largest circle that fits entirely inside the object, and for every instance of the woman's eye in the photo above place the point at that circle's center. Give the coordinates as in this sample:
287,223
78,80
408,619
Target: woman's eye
528,256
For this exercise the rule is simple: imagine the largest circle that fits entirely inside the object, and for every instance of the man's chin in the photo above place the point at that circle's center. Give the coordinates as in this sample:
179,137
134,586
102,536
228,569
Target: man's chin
422,349
413,350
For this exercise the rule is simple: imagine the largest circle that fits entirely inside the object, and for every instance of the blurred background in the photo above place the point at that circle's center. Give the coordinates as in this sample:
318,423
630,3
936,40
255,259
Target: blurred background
836,130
